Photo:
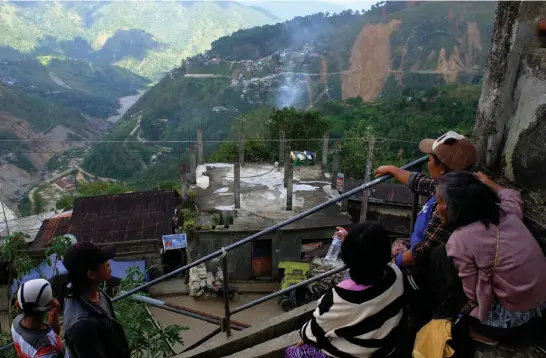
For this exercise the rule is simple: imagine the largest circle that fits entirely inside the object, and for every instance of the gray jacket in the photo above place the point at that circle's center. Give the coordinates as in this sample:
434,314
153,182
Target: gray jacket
91,332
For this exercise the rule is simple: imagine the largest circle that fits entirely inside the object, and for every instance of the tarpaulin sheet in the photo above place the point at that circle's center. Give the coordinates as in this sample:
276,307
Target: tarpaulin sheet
44,270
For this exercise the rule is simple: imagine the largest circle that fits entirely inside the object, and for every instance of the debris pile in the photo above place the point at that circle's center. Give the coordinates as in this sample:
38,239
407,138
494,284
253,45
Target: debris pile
201,278
319,266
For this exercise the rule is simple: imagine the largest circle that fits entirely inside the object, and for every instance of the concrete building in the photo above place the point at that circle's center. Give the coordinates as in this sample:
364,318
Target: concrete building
263,199
135,222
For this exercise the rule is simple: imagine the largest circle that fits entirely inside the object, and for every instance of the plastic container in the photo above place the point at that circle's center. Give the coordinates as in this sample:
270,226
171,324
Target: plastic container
334,250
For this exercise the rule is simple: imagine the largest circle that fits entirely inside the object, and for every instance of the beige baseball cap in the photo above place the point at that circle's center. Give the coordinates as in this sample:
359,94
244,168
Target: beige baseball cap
454,150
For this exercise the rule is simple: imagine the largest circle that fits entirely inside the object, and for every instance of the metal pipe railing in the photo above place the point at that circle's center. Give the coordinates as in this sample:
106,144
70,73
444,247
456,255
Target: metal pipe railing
288,289
269,229
238,326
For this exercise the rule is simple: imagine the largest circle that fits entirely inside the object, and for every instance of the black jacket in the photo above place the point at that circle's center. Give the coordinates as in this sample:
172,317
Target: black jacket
90,332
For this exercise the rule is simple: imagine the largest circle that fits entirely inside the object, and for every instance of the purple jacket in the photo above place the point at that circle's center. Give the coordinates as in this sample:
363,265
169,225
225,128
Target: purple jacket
519,282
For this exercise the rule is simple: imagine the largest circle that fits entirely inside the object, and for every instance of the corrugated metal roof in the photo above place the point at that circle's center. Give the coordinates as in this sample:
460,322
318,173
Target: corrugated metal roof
114,218
125,204
385,192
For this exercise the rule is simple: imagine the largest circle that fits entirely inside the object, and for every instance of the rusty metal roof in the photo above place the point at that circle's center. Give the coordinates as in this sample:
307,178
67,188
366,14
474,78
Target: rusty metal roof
114,218
386,192
51,228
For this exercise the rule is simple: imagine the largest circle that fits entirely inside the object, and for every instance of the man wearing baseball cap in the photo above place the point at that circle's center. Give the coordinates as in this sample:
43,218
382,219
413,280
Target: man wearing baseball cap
31,336
450,152
91,328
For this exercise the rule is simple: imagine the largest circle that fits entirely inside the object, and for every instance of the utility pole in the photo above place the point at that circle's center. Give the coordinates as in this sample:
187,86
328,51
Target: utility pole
199,145
183,181
237,184
241,144
325,150
286,164
289,184
367,177
281,147
4,212
193,165
335,168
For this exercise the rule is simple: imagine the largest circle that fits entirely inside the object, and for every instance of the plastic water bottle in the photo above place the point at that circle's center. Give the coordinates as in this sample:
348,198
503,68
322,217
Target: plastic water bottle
334,249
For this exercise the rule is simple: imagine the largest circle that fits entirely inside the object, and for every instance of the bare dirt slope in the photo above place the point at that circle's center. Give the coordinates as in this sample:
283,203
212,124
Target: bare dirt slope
370,62
15,180
38,151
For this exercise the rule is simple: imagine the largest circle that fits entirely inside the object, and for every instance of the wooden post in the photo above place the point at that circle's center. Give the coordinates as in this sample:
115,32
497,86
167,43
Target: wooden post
345,203
289,184
281,147
241,145
4,212
414,205
335,169
199,145
237,184
325,151
286,163
183,181
193,165
367,177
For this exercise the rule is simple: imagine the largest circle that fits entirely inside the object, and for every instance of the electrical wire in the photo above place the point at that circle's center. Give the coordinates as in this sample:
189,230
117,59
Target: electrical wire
193,141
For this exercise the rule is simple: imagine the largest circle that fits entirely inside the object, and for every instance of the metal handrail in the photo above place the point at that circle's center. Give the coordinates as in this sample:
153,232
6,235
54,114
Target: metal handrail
226,324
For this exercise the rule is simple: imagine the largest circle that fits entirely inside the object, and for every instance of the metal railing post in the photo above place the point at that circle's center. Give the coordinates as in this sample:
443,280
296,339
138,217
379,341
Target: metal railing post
414,206
226,321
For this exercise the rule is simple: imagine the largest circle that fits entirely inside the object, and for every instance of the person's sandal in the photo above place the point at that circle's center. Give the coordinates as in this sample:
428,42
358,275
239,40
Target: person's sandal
482,339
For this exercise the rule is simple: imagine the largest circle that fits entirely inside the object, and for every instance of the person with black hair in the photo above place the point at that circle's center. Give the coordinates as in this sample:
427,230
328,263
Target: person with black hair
31,336
362,316
495,261
91,328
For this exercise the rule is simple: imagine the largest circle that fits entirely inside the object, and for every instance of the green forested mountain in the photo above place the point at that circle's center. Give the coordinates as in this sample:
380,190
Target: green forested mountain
90,88
393,53
145,37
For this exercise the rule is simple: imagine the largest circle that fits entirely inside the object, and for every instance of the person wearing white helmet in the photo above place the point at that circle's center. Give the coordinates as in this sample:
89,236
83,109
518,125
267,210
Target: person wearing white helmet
31,336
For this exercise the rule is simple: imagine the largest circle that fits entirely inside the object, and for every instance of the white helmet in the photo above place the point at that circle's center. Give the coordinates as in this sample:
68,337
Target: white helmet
35,295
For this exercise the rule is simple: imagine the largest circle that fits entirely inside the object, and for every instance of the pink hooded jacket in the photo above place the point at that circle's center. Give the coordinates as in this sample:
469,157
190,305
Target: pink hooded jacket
519,281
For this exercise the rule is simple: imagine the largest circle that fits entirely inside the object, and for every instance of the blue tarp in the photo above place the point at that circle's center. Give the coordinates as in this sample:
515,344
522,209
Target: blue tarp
44,270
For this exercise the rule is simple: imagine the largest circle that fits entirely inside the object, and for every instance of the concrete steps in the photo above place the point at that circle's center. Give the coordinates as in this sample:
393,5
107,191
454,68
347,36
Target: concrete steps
271,349
278,332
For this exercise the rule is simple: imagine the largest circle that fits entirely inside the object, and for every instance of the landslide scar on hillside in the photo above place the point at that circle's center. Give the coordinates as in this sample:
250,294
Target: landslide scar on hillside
370,62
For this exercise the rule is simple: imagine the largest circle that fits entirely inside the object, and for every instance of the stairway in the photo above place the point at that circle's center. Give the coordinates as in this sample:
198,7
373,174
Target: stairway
267,339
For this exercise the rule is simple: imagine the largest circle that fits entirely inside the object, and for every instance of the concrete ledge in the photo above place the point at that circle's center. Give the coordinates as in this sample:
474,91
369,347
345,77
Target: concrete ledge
263,332
270,349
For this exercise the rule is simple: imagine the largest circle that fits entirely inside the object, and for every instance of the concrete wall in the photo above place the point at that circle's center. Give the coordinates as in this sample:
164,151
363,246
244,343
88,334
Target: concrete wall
285,245
510,128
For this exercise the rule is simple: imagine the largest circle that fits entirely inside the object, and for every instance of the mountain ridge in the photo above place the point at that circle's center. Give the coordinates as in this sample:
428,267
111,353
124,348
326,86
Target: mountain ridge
167,31
311,60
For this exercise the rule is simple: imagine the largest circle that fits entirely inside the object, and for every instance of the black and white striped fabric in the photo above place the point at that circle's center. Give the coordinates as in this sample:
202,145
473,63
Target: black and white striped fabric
359,323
